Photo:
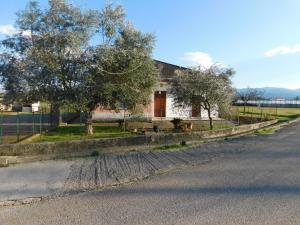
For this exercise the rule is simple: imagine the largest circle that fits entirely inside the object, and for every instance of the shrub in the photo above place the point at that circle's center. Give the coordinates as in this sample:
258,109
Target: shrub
176,123
95,153
183,143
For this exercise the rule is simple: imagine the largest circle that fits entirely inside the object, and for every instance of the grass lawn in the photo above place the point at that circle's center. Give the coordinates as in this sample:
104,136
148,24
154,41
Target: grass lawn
76,132
265,131
170,147
15,113
281,114
218,126
10,139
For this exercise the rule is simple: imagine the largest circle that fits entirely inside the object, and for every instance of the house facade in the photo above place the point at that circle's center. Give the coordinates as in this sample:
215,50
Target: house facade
162,103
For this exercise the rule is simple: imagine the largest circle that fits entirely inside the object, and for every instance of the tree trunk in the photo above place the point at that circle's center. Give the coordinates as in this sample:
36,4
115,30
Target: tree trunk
56,116
210,119
60,119
89,125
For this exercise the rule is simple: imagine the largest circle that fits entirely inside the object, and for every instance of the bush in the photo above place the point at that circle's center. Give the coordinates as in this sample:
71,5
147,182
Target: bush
176,123
95,153
183,143
121,123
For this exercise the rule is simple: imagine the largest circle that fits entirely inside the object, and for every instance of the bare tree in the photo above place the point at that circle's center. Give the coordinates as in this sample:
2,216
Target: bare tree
250,94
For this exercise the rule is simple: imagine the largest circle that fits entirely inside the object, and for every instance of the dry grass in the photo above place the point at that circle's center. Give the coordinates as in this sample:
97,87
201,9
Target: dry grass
282,114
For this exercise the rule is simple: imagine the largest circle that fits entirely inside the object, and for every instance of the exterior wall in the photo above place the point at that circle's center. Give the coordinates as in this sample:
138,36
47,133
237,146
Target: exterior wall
178,112
106,114
4,107
35,107
185,113
214,114
27,109
171,111
101,113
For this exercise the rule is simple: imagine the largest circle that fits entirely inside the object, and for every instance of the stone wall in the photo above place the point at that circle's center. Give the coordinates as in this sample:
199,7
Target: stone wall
86,146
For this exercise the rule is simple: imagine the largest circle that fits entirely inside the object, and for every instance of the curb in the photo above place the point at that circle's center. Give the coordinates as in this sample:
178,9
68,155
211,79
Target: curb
17,159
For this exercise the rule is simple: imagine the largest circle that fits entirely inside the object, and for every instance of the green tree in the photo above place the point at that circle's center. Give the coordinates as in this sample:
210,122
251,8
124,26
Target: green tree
51,58
120,71
42,57
210,88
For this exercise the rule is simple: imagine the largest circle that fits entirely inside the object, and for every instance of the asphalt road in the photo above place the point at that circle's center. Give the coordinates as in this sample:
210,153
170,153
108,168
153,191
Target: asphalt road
29,180
258,185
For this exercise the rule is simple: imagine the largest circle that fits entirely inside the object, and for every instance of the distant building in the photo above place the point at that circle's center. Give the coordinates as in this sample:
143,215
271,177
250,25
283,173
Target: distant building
3,106
34,107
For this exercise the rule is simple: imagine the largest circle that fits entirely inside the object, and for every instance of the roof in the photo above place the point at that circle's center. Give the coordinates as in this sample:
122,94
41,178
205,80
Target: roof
167,70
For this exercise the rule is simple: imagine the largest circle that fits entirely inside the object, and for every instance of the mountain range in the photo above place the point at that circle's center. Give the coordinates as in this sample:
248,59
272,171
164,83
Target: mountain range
275,92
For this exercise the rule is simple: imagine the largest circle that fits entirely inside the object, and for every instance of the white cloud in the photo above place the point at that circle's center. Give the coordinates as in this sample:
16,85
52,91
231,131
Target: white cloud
198,59
26,33
11,30
283,50
8,29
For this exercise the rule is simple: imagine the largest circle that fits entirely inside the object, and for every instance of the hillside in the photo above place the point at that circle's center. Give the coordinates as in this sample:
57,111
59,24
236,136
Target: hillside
275,93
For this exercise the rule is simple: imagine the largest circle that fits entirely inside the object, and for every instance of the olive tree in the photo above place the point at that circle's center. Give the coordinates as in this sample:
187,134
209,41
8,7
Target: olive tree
120,71
51,58
40,61
210,88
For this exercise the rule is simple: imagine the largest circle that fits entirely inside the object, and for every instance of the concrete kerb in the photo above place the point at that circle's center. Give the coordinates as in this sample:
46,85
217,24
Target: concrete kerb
284,124
19,153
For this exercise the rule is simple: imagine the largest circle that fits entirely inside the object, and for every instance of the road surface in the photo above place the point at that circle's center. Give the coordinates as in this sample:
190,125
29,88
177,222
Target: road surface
258,185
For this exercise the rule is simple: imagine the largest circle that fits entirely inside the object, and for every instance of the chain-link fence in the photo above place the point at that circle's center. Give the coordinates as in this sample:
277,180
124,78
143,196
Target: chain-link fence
265,110
15,126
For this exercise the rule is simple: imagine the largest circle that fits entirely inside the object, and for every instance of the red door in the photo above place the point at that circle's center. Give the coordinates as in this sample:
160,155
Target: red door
160,100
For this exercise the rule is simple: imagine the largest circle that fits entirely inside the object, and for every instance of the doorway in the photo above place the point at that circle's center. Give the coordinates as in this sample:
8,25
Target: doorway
160,102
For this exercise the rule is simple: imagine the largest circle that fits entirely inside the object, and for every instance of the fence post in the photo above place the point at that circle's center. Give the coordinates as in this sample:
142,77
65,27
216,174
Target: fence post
80,122
238,115
18,127
33,123
40,120
1,128
252,114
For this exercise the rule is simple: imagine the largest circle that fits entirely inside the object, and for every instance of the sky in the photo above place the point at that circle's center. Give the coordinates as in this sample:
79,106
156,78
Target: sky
260,39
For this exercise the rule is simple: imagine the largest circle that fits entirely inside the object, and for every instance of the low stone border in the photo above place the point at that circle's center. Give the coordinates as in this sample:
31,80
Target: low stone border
281,125
52,150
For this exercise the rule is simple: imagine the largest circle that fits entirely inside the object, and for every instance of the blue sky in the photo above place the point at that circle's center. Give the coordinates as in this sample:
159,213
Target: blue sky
260,39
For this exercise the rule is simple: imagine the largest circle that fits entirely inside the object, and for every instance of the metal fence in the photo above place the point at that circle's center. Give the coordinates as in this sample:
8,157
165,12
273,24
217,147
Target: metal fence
279,103
15,126
250,114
